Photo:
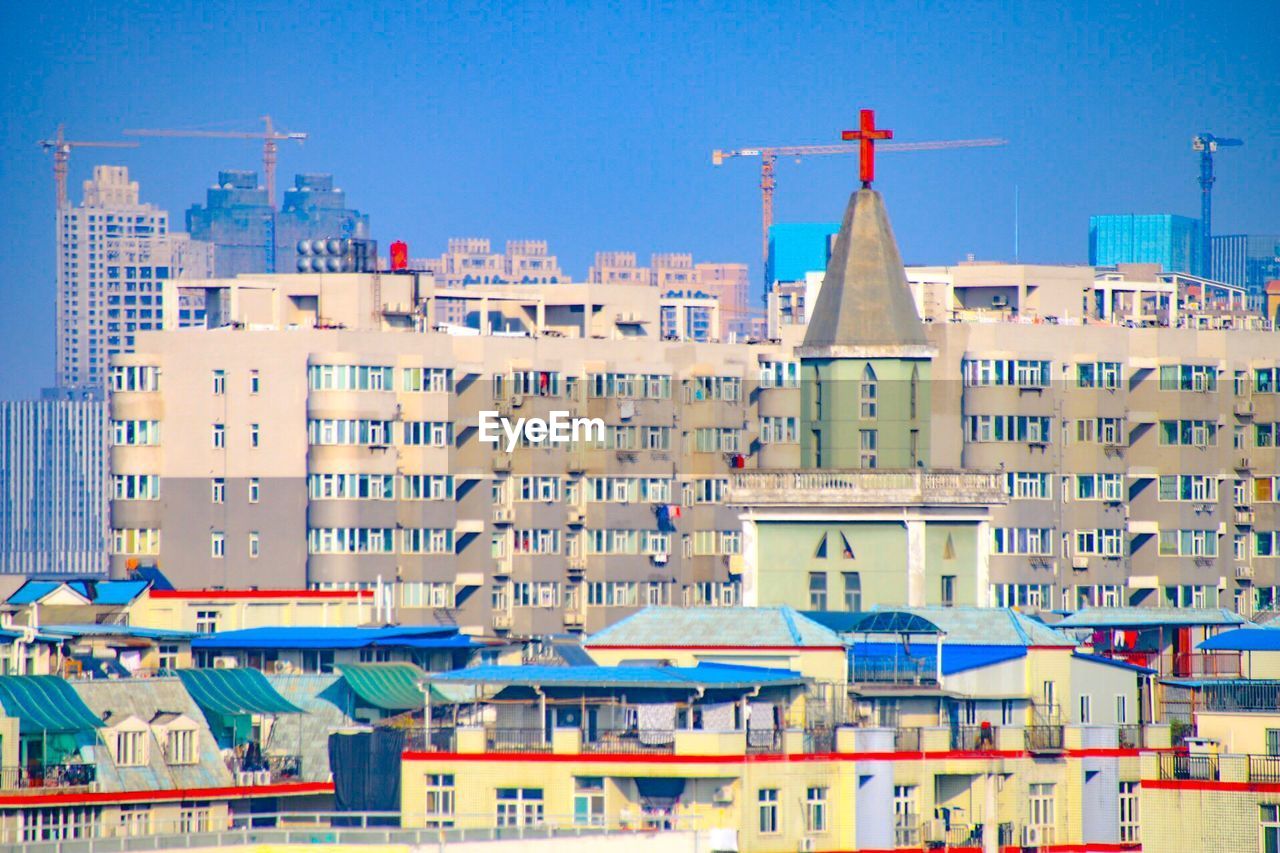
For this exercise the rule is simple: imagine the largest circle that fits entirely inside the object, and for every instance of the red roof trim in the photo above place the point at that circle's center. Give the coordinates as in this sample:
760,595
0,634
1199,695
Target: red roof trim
251,594
754,758
233,792
1209,785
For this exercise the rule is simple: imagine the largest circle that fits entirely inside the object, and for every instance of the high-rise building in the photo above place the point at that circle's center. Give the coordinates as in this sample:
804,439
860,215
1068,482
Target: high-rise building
1247,260
53,489
796,248
313,207
236,219
249,236
730,284
113,253
1158,238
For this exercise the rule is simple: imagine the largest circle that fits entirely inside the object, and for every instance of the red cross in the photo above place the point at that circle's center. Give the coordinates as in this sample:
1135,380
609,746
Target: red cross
867,134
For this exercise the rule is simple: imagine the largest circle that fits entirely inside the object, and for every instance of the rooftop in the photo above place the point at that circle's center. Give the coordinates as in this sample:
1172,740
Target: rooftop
831,487
1128,617
683,627
713,675
972,626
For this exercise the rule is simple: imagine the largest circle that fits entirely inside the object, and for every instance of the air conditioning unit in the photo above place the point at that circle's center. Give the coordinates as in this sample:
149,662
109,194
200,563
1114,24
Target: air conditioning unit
262,777
722,796
573,618
999,301
503,515
807,845
1079,563
502,621
245,777
1244,572
934,830
517,400
658,559
282,667
1244,463
224,662
577,517
1033,836
1244,408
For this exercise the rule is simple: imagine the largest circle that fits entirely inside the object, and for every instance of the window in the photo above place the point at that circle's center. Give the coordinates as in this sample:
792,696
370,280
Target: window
1188,377
1023,373
218,490
135,433
335,431
349,377
767,798
255,435
852,592
352,486
1040,802
167,656
1027,541
1129,793
254,544
1086,709
351,540
130,749
255,490
519,807
948,590
1099,487
588,801
427,540
193,818
135,487
438,809
217,544
1122,709
817,590
1098,374
255,382
1189,433
1188,487
139,541
779,430
1105,542
867,395
780,374
134,820
537,489
868,444
906,818
219,383
1033,429
815,810
219,436
426,487
1188,543
427,379
180,746
428,433
1035,485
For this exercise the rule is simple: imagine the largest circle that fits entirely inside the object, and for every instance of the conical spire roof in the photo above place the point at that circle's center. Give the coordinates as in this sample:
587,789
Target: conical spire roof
865,302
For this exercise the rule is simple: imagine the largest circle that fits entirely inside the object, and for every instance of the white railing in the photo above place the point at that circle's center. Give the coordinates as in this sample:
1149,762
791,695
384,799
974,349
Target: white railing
866,486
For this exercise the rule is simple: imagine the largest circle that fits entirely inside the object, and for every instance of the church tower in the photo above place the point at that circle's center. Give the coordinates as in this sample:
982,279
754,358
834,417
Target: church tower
865,362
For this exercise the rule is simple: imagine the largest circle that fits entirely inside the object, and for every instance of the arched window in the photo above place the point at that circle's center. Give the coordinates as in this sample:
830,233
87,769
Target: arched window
868,394
915,387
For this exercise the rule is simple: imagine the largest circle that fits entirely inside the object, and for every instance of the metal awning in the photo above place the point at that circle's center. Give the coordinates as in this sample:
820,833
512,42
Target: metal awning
234,691
45,703
389,686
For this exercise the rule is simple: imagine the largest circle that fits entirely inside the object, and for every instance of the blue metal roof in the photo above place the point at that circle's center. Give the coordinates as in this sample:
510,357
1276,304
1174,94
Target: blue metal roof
682,677
1248,639
1106,661
107,593
418,637
1138,617
675,627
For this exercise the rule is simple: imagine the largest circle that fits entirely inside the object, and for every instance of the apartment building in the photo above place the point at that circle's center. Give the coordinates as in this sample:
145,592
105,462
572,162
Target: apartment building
1006,738
323,435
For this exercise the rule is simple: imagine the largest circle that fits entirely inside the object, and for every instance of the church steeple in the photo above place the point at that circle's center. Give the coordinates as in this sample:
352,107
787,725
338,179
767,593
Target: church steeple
865,357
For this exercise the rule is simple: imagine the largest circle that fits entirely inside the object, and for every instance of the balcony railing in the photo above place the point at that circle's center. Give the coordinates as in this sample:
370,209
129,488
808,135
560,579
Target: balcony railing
885,669
1199,767
907,832
1206,664
973,737
517,740
764,740
53,776
1264,768
1044,738
906,740
843,487
631,742
267,769
440,740
1130,737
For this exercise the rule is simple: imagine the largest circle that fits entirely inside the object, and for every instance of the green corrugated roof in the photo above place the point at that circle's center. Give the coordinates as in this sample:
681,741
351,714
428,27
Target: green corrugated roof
389,686
45,703
234,691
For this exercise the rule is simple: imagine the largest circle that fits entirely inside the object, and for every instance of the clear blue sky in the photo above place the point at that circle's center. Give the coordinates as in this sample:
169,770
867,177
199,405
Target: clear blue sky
591,125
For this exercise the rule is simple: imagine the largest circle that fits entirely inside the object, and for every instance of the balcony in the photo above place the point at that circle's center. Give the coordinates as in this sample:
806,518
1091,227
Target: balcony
631,742
1131,736
973,738
893,670
1244,517
1044,739
53,776
1264,768
866,488
1182,767
265,770
416,739
906,740
516,740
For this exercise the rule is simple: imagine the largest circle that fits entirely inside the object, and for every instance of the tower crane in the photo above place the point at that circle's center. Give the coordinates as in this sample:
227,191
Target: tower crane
269,136
769,155
1207,144
61,147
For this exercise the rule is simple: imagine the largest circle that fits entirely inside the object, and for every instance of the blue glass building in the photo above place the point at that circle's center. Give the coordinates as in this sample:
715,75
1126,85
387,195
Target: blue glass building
1247,260
796,248
1166,239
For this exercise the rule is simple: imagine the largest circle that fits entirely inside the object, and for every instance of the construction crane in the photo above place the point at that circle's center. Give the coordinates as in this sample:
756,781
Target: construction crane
61,147
770,154
269,136
1207,144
